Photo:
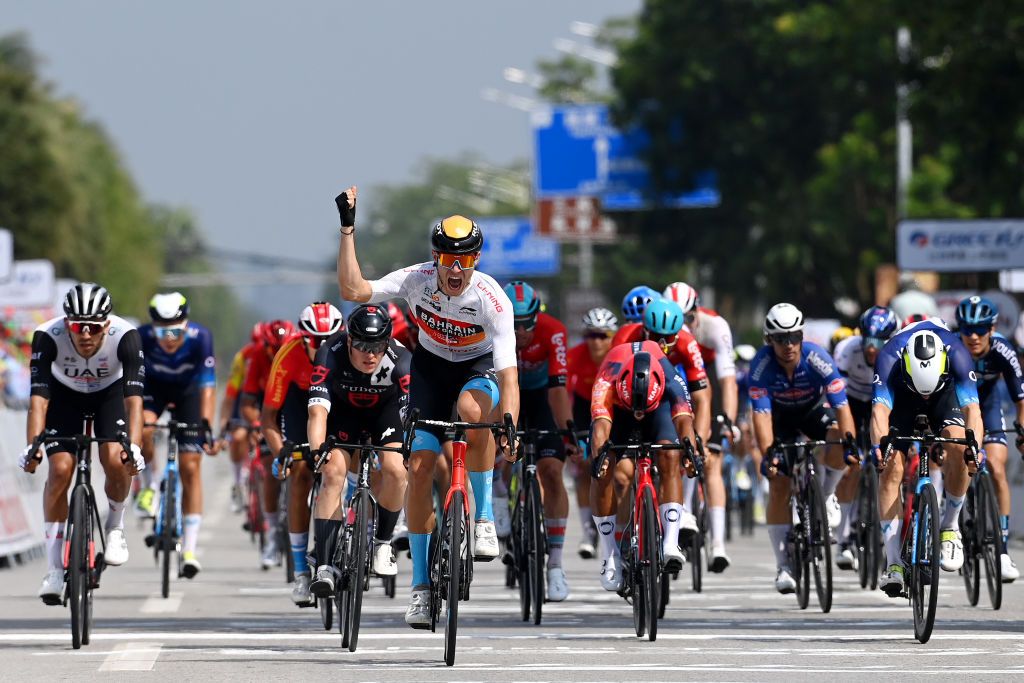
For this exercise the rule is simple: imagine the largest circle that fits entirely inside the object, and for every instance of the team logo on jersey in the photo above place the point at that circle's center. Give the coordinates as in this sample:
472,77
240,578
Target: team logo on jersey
318,375
757,393
468,309
835,386
819,363
403,382
449,332
363,399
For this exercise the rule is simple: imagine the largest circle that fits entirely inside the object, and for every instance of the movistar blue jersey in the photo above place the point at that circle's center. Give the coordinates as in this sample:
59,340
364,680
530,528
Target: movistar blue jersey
814,378
1000,361
890,376
192,363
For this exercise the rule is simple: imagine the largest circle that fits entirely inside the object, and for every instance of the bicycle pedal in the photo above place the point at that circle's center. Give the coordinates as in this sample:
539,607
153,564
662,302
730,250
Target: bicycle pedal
52,600
150,540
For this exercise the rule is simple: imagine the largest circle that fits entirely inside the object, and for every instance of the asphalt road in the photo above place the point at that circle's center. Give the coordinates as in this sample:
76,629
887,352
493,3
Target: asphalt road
236,622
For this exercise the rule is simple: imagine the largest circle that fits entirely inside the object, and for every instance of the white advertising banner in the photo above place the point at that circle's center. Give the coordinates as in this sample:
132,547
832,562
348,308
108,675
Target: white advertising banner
30,285
6,254
960,246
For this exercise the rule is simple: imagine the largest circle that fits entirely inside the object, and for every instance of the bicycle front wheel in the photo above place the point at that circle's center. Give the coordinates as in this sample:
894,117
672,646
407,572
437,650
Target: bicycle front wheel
520,543
868,532
991,539
168,527
78,567
924,574
819,542
455,530
535,549
650,566
358,563
696,550
971,533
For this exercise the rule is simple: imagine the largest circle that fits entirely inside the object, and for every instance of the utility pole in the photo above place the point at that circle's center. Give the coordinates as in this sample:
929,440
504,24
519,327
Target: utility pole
904,131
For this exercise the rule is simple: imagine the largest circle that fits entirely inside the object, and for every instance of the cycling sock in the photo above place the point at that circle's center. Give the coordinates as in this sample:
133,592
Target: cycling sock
938,483
554,529
386,521
299,542
777,534
1004,527
717,525
843,532
115,520
891,537
832,478
350,490
55,544
951,515
419,546
671,513
688,485
190,532
481,482
324,533
606,535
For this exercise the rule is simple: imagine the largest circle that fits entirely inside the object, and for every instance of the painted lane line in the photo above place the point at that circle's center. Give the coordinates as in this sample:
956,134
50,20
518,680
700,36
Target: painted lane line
157,604
132,657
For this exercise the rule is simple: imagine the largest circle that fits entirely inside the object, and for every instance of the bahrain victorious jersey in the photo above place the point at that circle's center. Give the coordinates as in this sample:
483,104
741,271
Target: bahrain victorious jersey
468,326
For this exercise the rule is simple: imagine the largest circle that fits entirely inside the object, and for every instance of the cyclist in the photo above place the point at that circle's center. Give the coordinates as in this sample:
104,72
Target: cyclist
855,358
663,324
635,301
747,446
232,426
541,354
795,389
180,378
88,362
628,396
284,416
403,329
924,369
466,360
274,335
714,339
994,356
840,334
583,360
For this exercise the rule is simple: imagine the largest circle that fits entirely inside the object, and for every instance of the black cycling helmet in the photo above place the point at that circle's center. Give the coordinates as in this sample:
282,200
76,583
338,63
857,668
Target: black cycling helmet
456,235
370,323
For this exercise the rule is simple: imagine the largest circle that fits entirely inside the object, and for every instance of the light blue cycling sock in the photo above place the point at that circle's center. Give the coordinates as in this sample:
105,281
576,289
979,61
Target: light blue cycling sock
482,483
299,544
1004,527
350,490
419,546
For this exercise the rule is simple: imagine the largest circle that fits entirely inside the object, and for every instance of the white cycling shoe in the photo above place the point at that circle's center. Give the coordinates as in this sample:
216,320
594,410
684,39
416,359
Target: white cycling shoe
300,590
384,560
52,590
117,548
1009,569
952,550
418,614
486,547
846,559
558,587
611,575
269,557
323,585
719,559
674,558
833,511
784,581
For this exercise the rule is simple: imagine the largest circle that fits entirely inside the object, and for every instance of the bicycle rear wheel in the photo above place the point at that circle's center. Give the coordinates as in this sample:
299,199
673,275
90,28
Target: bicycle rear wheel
666,590
991,539
520,543
695,554
650,569
78,567
971,534
820,546
168,528
455,529
535,549
801,560
924,574
358,563
326,612
868,533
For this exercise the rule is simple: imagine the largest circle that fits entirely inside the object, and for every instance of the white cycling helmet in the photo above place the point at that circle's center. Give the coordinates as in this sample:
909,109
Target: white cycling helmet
684,295
87,301
745,352
783,318
926,362
320,319
600,319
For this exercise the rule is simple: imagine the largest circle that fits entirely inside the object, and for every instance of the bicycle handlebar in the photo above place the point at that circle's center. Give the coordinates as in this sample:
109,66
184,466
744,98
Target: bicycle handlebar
202,430
968,441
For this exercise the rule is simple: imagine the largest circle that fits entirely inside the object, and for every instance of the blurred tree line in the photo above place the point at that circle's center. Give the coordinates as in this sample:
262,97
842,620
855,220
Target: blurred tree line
67,196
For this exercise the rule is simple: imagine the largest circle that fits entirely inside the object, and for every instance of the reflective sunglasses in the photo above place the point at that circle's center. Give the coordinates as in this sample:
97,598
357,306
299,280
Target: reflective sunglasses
525,324
465,261
974,330
786,338
376,348
89,327
597,334
174,333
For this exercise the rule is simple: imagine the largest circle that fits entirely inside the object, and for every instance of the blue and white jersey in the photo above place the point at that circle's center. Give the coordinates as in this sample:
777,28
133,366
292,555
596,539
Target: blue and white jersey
193,363
815,377
1000,361
890,377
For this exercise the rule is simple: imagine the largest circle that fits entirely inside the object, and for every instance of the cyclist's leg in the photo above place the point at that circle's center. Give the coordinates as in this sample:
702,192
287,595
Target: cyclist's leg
154,404
328,516
657,427
946,418
581,478
778,512
997,452
478,402
550,465
188,409
387,430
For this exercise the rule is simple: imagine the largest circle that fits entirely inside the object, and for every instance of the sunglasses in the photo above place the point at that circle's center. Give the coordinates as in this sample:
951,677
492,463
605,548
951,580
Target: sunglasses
375,348
786,338
597,334
170,332
465,261
873,343
664,342
688,318
86,326
974,330
525,324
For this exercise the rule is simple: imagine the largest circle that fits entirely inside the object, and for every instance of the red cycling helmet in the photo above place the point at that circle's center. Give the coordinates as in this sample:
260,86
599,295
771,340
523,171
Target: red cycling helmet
257,333
320,320
641,383
914,318
275,332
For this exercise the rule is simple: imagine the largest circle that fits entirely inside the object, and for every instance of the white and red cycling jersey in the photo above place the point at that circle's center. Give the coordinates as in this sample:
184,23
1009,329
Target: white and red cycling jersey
714,337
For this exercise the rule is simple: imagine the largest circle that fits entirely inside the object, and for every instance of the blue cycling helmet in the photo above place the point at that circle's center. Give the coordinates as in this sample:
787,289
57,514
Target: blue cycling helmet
636,301
663,318
878,322
976,310
525,302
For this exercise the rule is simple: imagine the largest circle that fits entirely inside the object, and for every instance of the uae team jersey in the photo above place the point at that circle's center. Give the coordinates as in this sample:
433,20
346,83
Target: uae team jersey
192,363
606,398
542,364
685,353
715,340
849,356
55,359
461,328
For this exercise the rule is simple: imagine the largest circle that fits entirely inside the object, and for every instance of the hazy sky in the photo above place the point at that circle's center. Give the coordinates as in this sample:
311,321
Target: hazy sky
256,113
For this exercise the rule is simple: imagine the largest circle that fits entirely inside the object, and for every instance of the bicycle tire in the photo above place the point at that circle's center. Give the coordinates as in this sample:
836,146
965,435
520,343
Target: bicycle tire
991,540
519,542
801,559
535,550
971,570
359,564
78,567
455,521
820,546
343,552
867,535
167,530
924,574
666,590
697,541
326,612
633,575
746,505
650,569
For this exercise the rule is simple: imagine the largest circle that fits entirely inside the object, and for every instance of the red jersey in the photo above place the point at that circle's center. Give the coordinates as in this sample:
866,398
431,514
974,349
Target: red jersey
582,372
686,352
542,364
605,398
258,372
291,367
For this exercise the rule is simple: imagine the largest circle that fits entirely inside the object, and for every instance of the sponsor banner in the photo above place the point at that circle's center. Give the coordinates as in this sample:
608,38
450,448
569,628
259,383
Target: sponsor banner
30,285
6,254
958,246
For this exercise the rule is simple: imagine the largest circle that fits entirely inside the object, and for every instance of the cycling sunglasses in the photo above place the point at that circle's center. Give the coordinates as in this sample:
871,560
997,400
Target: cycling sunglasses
597,334
786,338
974,330
89,327
665,342
376,348
465,261
174,333
874,343
525,324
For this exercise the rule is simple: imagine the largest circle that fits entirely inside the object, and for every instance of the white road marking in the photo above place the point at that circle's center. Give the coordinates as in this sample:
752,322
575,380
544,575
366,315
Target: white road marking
132,657
157,604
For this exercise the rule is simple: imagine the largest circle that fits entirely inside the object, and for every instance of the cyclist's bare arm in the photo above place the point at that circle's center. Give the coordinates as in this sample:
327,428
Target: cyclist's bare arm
972,418
133,409
702,411
879,421
271,429
508,387
316,427
730,396
763,432
844,418
561,406
351,283
250,413
684,427
600,430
